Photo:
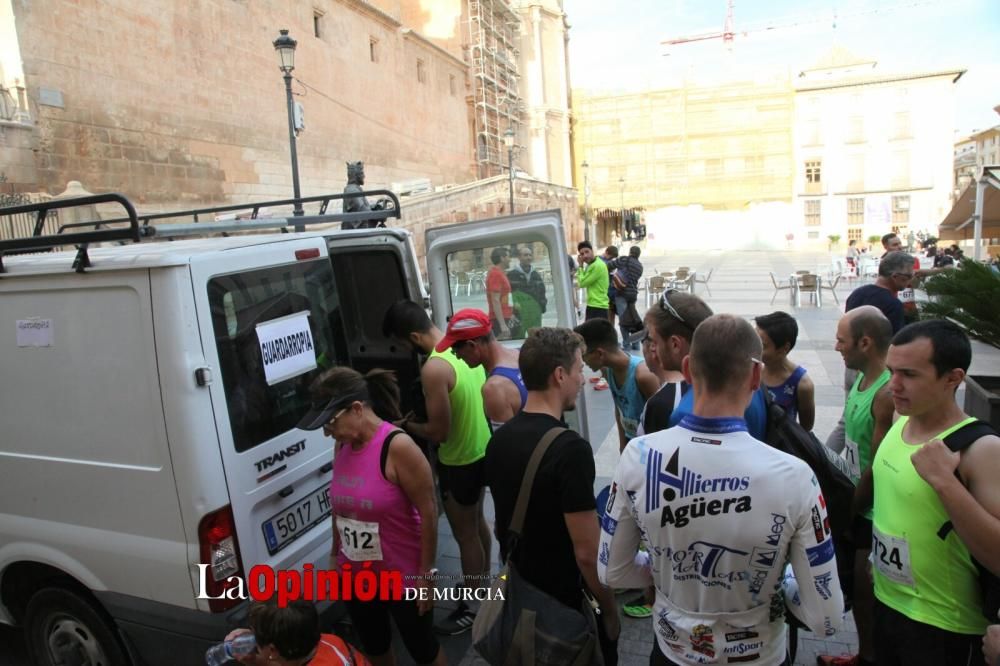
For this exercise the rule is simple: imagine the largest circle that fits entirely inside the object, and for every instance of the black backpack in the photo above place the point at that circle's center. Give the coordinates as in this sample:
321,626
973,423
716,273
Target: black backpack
785,434
988,582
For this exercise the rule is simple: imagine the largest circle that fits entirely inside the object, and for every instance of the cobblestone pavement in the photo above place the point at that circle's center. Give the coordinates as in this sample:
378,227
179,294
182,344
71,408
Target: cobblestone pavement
740,284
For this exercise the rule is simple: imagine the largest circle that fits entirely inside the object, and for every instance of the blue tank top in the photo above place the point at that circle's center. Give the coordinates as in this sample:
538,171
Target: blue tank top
514,375
628,398
787,393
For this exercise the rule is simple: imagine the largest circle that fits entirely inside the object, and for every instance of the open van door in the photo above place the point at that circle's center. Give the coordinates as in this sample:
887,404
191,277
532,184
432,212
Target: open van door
460,259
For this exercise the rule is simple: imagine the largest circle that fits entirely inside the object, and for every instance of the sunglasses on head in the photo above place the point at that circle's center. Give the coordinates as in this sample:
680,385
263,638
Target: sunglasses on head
665,304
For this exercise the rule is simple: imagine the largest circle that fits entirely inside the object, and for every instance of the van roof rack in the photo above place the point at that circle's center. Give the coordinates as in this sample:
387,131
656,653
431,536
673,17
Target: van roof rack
114,231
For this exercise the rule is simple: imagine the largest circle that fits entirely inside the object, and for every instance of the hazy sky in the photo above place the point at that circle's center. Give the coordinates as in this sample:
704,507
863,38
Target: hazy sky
617,44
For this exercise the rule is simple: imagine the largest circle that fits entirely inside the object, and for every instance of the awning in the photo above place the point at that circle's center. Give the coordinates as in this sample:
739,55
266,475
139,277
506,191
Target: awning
958,224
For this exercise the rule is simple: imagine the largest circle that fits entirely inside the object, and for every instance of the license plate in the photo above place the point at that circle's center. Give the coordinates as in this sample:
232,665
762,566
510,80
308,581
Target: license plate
292,522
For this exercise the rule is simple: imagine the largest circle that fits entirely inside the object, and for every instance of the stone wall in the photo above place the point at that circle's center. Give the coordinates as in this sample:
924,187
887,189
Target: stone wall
17,159
179,103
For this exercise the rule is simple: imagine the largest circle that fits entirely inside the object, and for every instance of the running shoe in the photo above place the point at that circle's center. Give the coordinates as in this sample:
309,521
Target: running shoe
458,621
639,610
601,385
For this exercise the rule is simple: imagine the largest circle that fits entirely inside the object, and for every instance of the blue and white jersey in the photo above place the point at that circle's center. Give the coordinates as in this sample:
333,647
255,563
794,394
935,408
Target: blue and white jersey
719,514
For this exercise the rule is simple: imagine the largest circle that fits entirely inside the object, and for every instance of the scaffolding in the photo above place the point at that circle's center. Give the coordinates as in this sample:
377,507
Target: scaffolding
493,33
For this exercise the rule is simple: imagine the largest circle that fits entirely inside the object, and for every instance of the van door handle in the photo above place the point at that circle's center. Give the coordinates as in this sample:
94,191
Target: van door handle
286,491
326,468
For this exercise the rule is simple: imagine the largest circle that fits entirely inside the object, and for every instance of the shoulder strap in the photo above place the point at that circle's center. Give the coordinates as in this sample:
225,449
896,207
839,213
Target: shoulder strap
524,494
963,438
385,451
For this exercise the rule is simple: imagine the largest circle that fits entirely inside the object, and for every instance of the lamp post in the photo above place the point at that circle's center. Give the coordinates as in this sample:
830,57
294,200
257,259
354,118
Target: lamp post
621,183
285,46
587,233
508,139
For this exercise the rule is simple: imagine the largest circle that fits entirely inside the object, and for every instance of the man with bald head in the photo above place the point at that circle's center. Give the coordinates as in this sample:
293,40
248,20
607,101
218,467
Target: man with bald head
863,336
722,513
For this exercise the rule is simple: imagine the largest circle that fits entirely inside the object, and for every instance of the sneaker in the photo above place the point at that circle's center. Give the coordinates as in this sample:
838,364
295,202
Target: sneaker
639,610
842,660
458,622
601,385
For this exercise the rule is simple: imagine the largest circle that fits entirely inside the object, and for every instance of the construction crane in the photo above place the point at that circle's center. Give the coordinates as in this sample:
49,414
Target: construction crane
729,32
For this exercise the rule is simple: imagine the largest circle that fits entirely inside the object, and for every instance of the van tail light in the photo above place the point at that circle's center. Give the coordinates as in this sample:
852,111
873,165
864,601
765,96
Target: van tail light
221,551
311,253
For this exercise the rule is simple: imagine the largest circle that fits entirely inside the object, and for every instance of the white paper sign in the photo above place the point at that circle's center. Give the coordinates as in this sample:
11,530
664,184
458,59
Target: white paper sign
286,346
35,332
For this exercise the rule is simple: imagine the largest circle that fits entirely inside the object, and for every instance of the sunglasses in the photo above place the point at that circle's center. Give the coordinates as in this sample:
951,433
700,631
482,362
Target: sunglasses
665,304
336,416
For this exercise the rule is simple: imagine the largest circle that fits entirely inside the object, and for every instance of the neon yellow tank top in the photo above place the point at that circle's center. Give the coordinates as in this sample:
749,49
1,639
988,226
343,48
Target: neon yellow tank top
469,432
924,577
859,422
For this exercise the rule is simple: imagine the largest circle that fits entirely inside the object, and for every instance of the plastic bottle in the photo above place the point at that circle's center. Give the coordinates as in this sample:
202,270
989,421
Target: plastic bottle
224,653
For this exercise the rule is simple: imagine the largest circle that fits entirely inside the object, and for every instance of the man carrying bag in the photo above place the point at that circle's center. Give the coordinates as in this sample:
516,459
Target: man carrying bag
541,476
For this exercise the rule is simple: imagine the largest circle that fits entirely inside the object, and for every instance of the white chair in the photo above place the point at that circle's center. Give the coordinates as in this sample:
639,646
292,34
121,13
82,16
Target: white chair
703,279
831,286
778,287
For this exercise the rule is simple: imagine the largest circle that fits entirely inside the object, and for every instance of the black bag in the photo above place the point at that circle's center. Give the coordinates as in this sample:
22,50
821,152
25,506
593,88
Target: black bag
785,434
522,625
989,583
630,319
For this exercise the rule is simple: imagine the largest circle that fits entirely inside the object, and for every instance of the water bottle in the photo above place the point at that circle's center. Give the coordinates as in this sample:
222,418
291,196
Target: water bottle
223,653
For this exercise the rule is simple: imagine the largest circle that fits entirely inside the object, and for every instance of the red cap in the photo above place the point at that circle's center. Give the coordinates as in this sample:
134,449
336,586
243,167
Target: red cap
466,324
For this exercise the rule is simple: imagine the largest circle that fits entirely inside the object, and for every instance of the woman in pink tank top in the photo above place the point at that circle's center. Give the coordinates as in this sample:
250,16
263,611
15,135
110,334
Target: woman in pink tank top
382,495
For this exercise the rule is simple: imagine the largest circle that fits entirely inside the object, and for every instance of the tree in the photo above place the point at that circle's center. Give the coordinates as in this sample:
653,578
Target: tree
968,296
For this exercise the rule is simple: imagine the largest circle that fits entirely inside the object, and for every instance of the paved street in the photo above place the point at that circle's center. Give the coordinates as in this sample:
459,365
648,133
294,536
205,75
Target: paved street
740,285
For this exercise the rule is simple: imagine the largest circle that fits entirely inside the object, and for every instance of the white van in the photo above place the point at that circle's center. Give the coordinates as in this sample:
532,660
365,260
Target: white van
148,453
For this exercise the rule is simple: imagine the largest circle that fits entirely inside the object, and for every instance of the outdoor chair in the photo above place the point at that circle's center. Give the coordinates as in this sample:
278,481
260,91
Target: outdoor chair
703,279
462,279
809,284
778,287
655,286
685,283
831,286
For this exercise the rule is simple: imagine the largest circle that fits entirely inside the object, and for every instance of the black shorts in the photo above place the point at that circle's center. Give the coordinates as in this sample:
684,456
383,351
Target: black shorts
464,483
902,642
371,623
597,313
861,533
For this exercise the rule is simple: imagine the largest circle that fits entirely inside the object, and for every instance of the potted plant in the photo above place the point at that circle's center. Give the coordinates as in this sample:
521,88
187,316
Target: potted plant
834,240
968,296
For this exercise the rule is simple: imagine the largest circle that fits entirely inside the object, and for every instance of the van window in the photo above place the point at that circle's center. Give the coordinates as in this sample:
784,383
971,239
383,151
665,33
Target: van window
239,302
510,281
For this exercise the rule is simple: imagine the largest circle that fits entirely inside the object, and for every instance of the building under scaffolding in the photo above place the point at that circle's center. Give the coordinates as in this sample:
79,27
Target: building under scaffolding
493,29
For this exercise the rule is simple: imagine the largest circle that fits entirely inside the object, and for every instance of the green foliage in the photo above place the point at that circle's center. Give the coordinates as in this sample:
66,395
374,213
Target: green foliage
834,238
874,239
969,296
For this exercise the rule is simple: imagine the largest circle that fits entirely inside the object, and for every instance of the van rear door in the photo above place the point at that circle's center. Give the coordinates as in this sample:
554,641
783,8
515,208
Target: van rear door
268,316
460,266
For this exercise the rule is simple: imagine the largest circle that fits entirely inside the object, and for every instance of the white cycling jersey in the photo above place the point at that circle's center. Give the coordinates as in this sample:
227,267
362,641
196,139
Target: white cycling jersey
719,514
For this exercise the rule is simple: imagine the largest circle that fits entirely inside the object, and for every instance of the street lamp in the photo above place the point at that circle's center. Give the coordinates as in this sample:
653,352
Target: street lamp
285,46
508,139
588,235
621,183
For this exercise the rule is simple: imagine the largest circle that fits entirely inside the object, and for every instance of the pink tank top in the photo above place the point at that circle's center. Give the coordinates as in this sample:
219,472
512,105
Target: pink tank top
374,518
